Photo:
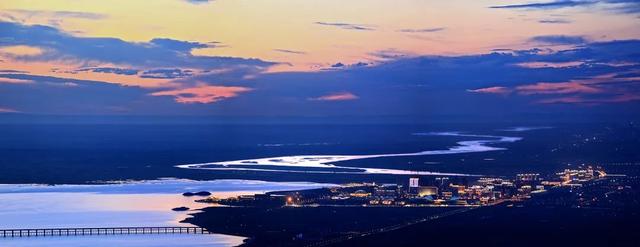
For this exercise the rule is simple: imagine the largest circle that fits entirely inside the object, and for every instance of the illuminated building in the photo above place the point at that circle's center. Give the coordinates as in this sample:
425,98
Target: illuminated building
531,179
447,195
414,184
387,202
387,190
459,188
525,189
427,191
360,193
442,180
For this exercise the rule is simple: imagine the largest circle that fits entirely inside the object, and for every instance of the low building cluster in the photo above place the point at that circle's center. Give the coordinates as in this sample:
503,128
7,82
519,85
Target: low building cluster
425,191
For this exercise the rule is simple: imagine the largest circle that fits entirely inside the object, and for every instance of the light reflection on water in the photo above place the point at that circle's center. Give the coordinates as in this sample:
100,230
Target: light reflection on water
212,240
146,203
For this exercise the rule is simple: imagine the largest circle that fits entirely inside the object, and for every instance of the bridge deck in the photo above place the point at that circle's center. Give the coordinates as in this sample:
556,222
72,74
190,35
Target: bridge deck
100,231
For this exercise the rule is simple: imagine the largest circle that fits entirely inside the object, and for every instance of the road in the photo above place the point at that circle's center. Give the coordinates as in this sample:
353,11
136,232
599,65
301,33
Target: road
329,242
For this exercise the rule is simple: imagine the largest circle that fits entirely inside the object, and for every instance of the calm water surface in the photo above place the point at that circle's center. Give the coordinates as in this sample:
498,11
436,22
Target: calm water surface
146,203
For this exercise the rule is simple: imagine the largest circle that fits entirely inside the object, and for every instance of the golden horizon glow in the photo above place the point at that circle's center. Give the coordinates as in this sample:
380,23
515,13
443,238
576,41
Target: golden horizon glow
258,28
286,36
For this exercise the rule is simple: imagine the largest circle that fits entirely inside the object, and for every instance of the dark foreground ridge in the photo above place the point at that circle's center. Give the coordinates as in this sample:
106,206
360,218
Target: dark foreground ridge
600,213
596,212
522,226
299,226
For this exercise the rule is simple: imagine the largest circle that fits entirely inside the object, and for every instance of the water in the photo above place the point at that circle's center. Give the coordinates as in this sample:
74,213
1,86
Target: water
212,240
327,163
146,203
80,153
70,153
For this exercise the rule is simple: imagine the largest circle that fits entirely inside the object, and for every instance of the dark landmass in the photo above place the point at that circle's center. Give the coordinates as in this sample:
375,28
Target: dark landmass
517,226
296,226
601,214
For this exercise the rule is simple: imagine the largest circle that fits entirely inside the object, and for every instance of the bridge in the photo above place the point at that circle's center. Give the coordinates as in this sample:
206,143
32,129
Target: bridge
8,233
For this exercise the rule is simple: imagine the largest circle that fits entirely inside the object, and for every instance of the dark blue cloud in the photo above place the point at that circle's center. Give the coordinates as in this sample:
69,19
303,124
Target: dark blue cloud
604,52
109,70
618,6
406,86
178,45
420,86
359,64
198,1
424,30
337,65
389,54
345,26
167,73
555,21
51,95
546,5
625,6
340,65
628,75
559,39
156,53
289,51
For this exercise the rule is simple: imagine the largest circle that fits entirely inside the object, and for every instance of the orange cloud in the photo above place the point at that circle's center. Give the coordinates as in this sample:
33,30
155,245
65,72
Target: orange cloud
14,81
202,94
21,50
341,96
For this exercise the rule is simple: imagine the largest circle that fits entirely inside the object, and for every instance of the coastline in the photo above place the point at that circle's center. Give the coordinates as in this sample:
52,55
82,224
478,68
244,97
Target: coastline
141,203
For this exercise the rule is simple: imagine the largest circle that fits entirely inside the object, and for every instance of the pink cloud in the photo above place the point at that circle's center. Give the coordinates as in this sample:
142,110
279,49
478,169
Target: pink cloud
557,88
595,90
8,110
564,100
341,96
491,90
586,101
625,98
587,91
14,81
203,94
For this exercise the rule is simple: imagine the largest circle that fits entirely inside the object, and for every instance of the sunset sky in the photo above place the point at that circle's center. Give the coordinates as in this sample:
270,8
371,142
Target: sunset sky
318,58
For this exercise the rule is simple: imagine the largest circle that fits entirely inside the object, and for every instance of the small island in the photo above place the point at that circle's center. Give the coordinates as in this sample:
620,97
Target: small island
180,209
201,193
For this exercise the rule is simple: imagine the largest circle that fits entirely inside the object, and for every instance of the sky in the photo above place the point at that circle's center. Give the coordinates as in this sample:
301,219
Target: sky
319,58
